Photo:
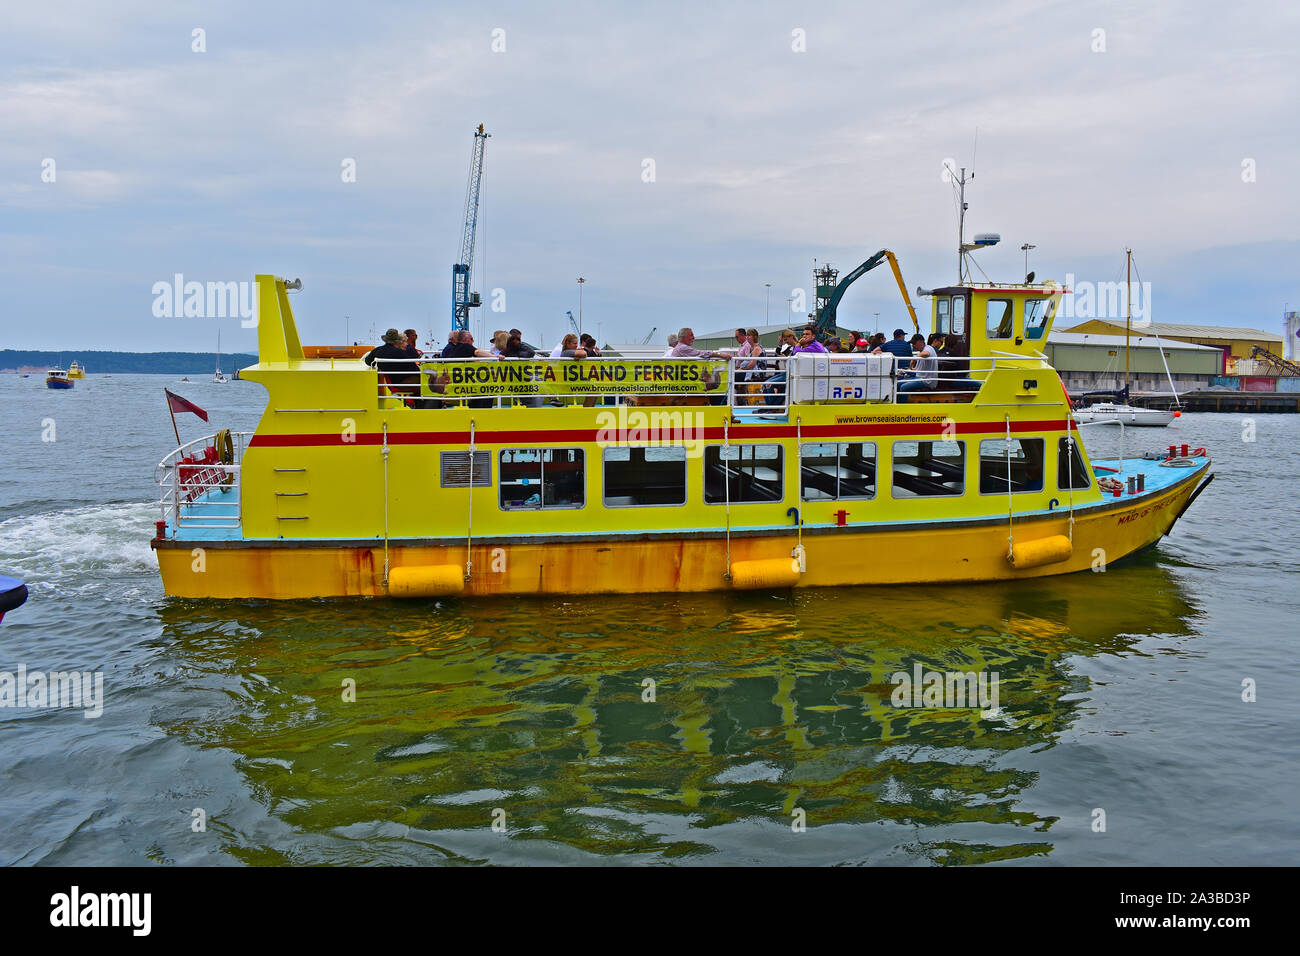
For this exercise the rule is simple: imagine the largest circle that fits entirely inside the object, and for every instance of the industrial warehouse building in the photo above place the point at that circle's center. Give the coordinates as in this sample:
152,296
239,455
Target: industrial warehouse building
1235,345
1088,361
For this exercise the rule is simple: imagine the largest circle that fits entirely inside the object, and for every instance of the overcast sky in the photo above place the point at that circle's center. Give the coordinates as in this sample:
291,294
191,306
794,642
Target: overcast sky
228,162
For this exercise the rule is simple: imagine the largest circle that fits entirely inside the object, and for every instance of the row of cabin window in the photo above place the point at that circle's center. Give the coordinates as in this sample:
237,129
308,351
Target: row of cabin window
999,316
543,478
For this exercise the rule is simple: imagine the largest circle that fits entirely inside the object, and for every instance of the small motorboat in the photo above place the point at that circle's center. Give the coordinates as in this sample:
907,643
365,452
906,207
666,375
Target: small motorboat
13,593
58,378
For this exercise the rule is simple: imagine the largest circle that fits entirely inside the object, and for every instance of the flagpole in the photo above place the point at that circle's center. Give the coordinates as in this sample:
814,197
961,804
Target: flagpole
172,412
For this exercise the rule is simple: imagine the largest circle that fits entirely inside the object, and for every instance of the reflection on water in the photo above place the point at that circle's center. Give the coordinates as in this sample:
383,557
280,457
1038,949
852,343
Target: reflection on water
763,705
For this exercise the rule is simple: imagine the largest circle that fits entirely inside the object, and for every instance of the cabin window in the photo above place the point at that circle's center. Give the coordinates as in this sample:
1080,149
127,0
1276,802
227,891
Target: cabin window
959,315
645,476
941,307
831,472
1038,312
743,473
1026,465
533,479
998,324
455,469
1071,477
928,469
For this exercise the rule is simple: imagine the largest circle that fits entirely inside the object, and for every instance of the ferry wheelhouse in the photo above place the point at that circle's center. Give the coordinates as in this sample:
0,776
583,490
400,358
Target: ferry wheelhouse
645,474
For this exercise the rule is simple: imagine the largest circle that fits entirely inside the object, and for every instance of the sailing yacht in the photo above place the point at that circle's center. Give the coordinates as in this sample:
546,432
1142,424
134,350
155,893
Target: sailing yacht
1115,413
218,376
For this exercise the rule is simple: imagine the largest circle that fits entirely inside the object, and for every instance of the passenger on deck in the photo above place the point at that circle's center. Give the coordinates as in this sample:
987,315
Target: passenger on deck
413,344
898,346
672,344
808,341
683,347
925,366
775,385
499,339
396,369
787,343
515,347
569,348
588,344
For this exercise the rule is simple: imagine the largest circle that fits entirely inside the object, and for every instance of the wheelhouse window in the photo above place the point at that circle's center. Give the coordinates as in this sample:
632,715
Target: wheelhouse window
645,476
959,315
941,315
929,469
1021,457
743,473
1038,312
834,471
1071,472
535,479
998,322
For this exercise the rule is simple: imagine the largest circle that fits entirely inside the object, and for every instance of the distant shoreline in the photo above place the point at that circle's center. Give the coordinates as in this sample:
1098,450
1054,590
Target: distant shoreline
30,361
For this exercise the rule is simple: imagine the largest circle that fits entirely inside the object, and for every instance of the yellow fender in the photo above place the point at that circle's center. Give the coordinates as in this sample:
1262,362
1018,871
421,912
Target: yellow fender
436,580
773,573
1034,554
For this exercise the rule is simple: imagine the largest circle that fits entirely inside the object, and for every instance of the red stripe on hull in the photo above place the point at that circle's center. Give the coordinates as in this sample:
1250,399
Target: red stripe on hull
740,433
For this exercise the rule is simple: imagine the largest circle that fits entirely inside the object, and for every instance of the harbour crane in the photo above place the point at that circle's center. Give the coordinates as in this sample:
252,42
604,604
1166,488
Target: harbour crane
829,292
649,335
462,299
573,324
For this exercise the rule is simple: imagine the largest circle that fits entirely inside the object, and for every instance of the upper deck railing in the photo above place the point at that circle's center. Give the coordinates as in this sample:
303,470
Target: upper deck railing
761,386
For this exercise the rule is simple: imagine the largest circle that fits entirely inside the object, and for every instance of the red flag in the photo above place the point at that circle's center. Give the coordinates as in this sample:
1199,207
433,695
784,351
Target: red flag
178,404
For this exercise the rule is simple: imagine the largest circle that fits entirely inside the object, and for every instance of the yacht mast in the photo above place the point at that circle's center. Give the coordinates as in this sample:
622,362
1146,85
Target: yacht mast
1128,311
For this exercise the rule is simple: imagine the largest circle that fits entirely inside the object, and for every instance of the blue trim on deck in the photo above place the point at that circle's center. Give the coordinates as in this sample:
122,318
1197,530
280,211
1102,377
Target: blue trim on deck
1158,479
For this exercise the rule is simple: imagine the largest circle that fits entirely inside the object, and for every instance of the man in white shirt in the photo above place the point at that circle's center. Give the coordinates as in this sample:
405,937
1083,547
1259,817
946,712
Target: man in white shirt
926,366
683,347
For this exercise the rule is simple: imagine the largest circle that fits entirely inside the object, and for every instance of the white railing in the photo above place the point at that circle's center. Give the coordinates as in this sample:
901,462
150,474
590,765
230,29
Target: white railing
782,381
196,490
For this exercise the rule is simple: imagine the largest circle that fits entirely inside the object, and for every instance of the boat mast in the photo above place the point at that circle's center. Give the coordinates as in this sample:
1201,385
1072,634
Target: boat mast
961,228
1128,311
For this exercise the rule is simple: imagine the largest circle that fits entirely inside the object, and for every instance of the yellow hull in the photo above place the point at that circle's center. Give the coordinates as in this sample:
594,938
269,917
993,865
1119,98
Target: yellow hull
948,552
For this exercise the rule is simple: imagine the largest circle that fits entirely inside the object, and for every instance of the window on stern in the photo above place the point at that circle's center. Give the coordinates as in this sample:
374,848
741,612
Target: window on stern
743,473
929,469
536,479
1025,464
835,471
998,322
639,476
1067,477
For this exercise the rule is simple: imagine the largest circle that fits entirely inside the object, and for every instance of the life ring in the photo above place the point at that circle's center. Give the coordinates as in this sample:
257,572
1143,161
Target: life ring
1179,463
225,453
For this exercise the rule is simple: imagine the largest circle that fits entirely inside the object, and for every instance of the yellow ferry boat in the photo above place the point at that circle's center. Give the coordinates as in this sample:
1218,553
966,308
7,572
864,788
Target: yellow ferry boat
76,370
654,474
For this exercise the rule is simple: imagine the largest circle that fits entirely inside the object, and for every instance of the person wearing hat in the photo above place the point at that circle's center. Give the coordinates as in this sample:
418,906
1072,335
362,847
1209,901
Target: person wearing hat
898,346
402,377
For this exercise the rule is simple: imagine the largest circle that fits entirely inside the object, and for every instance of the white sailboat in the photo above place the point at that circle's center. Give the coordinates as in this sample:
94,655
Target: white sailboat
1115,413
218,376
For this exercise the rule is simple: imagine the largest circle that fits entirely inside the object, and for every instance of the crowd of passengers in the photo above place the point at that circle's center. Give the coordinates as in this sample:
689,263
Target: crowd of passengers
921,372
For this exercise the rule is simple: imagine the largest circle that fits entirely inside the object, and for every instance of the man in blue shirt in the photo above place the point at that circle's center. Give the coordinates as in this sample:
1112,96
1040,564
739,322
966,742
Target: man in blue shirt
898,346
